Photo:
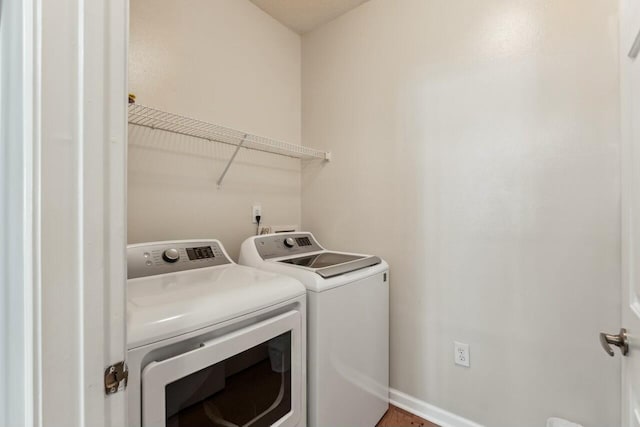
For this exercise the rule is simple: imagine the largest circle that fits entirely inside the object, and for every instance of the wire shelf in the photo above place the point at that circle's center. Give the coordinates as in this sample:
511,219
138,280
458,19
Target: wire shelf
141,115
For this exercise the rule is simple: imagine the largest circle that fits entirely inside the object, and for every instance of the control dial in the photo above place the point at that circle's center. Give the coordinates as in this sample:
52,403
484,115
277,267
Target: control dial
171,255
289,242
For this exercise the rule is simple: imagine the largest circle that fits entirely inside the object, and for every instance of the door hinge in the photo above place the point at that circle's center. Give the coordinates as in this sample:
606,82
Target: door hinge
115,378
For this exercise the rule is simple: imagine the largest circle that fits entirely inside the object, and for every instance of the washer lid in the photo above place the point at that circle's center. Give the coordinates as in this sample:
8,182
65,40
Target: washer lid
331,264
167,305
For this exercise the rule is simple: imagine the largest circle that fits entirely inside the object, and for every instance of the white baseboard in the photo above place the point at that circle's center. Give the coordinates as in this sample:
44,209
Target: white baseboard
427,411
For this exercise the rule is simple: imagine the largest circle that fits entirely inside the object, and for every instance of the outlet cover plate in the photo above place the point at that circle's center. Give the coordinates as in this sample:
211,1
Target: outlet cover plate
256,209
461,354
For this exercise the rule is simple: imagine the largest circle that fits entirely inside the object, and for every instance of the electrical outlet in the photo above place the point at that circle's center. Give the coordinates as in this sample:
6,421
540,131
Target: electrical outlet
461,354
256,210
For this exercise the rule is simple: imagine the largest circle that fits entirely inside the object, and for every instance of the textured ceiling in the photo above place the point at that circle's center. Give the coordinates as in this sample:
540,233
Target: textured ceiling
305,15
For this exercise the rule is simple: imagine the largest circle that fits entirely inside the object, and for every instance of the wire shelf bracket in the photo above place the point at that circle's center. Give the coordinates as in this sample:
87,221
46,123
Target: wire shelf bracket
233,156
152,118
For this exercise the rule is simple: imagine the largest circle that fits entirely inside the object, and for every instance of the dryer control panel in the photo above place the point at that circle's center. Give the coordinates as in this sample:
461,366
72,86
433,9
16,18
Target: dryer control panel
284,244
150,259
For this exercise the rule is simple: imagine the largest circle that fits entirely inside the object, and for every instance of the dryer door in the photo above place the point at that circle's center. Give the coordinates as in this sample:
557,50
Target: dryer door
251,377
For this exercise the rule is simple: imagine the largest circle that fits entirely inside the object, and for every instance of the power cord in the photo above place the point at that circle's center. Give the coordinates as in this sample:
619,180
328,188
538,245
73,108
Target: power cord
258,224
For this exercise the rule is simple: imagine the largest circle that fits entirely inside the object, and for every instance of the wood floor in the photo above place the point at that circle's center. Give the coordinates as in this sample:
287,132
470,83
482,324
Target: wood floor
396,417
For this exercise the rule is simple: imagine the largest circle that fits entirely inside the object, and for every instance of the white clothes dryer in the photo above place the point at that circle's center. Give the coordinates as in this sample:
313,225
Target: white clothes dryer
347,324
210,342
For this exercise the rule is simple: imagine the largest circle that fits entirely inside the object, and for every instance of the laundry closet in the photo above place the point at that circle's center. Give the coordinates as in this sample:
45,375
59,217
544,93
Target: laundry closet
474,146
348,213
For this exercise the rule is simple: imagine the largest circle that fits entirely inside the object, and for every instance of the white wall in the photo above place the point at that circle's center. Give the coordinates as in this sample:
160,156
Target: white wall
224,61
476,148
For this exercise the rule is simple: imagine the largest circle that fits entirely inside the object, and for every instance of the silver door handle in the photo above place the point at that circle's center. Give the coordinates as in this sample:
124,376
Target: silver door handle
619,340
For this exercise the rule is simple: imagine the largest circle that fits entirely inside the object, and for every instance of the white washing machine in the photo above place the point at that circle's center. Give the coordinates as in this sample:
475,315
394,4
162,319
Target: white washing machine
347,324
210,342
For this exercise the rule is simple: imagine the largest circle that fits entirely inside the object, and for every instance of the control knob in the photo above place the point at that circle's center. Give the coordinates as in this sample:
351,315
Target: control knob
171,255
289,242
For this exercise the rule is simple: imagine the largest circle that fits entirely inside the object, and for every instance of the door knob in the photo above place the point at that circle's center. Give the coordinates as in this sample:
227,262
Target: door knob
619,340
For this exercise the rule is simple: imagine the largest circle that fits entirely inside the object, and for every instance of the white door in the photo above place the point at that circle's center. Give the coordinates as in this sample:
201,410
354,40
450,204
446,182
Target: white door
630,112
249,377
62,168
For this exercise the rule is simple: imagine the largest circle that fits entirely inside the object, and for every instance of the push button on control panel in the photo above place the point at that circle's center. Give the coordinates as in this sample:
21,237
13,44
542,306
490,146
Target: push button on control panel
171,255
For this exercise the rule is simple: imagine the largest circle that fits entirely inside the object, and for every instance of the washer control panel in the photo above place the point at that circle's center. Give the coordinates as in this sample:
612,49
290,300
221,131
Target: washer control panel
278,245
150,259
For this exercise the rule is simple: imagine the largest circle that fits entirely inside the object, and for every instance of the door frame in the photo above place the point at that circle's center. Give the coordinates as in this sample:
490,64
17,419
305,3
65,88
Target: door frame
64,81
19,298
629,35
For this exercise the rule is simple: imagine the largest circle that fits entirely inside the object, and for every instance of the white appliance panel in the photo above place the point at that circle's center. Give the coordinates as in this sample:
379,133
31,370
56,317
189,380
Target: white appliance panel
157,375
170,304
348,353
138,358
